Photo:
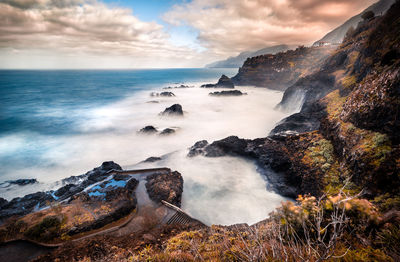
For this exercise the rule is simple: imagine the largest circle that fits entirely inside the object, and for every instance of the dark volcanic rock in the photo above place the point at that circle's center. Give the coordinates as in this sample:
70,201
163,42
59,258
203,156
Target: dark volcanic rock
223,82
76,184
167,94
21,206
23,181
197,148
148,130
168,187
305,121
307,90
164,94
152,159
278,159
118,193
180,86
167,131
174,110
228,93
3,202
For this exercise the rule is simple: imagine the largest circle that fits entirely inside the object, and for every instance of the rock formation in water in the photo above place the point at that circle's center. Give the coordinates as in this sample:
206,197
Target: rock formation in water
167,131
174,110
227,93
163,94
148,130
223,82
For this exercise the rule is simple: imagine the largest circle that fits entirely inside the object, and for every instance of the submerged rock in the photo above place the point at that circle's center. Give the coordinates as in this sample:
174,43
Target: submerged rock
174,110
152,159
180,86
228,93
167,131
164,94
148,130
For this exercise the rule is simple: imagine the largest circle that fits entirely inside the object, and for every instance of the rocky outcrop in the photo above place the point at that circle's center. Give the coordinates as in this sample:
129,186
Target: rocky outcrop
116,196
21,182
163,94
152,159
180,86
168,187
23,205
281,70
174,110
167,131
227,93
280,160
75,184
223,82
197,148
148,130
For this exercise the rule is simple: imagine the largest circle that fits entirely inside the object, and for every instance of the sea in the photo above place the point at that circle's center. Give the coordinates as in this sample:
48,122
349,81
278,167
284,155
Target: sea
58,123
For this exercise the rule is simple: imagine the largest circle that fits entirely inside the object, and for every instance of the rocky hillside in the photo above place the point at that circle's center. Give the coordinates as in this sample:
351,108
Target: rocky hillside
337,35
237,61
281,70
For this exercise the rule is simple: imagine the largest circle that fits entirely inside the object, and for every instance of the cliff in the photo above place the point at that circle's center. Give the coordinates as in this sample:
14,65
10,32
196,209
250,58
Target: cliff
281,70
237,61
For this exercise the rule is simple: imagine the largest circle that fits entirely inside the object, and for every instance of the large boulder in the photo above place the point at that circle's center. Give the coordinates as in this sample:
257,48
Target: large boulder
174,110
148,130
166,186
167,131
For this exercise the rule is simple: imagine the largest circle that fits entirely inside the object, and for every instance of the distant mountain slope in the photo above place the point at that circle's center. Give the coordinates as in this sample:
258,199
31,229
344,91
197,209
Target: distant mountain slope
336,36
237,61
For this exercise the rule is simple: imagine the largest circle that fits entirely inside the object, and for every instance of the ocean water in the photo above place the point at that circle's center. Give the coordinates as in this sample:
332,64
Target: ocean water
54,124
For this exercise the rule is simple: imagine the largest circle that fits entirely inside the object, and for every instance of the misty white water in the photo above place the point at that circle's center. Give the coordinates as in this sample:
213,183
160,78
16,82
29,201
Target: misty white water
221,190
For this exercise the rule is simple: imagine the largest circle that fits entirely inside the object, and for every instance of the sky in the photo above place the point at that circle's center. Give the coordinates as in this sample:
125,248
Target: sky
68,34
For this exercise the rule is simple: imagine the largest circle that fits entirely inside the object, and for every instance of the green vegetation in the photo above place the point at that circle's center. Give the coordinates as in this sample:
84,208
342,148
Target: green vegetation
48,229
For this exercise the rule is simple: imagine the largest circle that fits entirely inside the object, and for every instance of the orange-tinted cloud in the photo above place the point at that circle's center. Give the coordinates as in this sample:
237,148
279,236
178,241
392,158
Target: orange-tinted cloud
236,25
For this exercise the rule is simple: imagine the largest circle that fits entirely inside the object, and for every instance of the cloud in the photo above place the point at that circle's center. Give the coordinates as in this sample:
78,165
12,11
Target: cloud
75,30
83,27
229,26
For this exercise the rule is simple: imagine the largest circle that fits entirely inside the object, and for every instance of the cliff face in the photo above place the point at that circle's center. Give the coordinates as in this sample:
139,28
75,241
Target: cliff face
281,70
360,103
237,61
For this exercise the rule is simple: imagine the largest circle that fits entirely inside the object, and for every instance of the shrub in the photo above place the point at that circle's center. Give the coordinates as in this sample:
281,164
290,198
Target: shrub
46,230
368,15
